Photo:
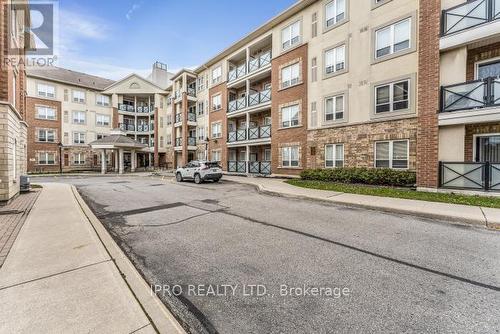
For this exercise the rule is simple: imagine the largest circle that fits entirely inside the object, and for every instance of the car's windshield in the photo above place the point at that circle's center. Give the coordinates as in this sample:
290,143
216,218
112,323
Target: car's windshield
212,164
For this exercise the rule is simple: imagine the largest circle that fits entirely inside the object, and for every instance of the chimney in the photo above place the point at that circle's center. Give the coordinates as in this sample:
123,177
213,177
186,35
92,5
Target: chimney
160,75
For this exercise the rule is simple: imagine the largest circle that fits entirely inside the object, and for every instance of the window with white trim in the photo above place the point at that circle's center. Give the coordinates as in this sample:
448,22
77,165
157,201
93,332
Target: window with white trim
334,108
217,102
78,117
394,96
46,135
78,96
79,138
201,83
201,108
45,113
393,38
102,100
290,116
217,74
392,154
45,90
334,155
290,75
335,60
217,130
102,120
290,35
79,158
46,158
290,156
334,12
216,155
201,133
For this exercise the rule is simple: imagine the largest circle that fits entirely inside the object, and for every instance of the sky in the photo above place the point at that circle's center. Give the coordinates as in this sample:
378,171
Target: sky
112,38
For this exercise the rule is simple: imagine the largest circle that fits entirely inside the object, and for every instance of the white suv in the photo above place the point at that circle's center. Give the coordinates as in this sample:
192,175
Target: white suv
199,171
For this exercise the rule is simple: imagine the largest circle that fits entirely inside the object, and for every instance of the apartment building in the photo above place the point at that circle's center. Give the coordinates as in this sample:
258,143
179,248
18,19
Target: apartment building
69,110
13,127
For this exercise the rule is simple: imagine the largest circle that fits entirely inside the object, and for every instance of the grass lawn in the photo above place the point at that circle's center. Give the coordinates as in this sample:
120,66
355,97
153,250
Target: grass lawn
490,202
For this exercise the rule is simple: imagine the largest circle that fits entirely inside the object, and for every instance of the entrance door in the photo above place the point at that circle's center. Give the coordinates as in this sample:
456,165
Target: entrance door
488,148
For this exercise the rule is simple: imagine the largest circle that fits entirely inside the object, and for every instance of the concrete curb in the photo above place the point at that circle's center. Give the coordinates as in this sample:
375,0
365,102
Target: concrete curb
480,219
160,317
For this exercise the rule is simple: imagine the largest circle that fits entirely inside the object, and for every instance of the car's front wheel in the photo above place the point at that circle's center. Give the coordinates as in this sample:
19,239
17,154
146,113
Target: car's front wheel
178,177
197,179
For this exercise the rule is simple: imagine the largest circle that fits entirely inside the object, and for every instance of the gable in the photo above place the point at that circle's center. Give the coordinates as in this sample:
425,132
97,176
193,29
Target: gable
133,84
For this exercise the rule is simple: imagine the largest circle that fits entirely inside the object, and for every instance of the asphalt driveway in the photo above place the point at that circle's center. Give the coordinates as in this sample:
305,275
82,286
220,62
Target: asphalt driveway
227,259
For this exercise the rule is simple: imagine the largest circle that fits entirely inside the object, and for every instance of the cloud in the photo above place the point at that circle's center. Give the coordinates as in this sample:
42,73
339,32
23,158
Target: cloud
101,67
135,7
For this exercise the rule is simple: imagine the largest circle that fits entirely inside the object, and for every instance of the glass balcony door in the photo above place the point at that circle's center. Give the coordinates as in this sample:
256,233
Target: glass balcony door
488,148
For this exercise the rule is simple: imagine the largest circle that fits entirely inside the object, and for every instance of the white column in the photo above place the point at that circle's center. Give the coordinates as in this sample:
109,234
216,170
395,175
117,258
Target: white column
133,161
103,162
120,163
117,162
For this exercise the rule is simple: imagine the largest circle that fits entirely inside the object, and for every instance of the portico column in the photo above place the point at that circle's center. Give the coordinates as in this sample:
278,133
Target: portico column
132,161
120,158
103,162
117,162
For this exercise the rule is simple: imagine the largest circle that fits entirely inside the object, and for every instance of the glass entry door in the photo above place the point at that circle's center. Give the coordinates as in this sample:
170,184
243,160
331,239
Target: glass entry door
488,149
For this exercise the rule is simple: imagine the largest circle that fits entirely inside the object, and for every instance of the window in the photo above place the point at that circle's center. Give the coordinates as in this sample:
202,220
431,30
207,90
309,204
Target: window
161,141
45,113
487,148
169,140
102,120
314,115
334,12
290,156
79,138
78,117
78,96
392,39
392,97
391,154
335,60
290,75
169,119
290,116
102,100
46,158
79,159
217,130
216,75
201,108
267,154
46,135
334,155
314,25
201,83
201,133
314,69
334,108
488,69
216,155
100,136
290,35
216,102
45,90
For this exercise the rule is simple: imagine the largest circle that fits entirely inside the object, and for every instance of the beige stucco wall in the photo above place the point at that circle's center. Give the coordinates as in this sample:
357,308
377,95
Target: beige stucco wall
452,143
453,66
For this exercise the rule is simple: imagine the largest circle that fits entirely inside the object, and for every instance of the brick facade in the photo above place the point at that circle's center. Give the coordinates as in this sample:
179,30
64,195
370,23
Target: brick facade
218,116
428,93
480,54
34,146
477,129
359,142
296,136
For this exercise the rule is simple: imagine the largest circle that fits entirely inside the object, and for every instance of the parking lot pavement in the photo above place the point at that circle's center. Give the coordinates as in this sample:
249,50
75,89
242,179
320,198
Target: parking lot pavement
385,272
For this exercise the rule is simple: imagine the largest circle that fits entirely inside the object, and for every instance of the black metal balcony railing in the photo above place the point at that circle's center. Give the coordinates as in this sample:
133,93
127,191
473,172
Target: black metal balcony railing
127,127
468,15
178,118
469,175
126,107
191,141
259,167
178,142
253,133
259,62
237,73
191,117
140,109
471,95
142,128
259,97
237,166
234,136
191,91
237,104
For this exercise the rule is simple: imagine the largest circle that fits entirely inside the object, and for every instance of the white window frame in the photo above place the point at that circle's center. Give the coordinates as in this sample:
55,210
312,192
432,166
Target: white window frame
335,159
76,96
288,112
103,100
391,153
201,83
335,111
46,132
200,132
78,120
391,28
218,130
331,68
335,21
482,62
216,155
46,158
287,75
46,90
217,106
217,74
288,37
79,136
391,97
288,163
77,159
45,114
100,120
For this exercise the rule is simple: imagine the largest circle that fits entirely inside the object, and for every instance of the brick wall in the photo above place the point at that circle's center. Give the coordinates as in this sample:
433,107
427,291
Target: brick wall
477,129
34,147
296,136
359,142
215,116
428,93
480,54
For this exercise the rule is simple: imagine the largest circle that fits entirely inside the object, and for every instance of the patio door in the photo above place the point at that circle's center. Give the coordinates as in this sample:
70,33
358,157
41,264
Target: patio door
488,69
488,148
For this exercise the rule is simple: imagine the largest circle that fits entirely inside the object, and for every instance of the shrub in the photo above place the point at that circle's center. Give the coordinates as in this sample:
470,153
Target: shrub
370,176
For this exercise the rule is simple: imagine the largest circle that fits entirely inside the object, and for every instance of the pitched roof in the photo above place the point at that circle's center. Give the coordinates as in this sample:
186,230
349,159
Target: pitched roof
70,77
119,141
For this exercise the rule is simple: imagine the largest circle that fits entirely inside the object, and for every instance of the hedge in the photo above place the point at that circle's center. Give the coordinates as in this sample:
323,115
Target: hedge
370,176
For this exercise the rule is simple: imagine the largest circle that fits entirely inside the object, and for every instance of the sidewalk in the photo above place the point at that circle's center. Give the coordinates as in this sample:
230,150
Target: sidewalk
487,217
61,276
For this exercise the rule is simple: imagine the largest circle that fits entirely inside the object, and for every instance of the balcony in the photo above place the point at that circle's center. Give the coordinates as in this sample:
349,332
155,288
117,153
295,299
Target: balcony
261,132
259,97
132,109
234,136
145,128
191,141
482,176
469,15
191,91
126,107
237,166
259,62
178,142
238,104
127,127
254,167
237,73
191,117
477,94
178,118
